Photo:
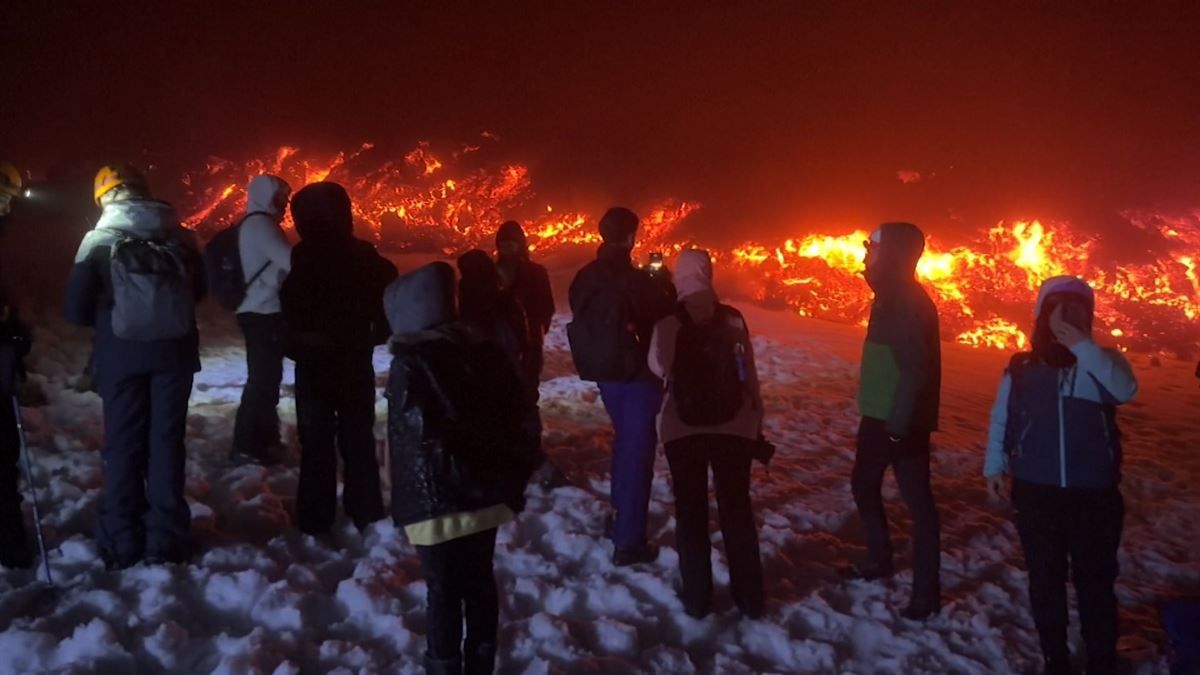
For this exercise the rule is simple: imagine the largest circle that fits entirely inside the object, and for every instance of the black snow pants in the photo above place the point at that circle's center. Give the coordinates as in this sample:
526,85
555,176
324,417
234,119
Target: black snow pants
1079,528
909,459
729,457
257,426
143,512
335,412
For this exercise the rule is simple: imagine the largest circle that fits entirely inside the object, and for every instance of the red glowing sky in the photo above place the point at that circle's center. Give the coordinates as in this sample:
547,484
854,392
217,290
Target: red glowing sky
778,114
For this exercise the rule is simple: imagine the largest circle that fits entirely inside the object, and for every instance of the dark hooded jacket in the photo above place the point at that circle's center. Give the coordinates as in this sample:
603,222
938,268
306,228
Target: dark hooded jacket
528,281
89,295
901,373
494,312
455,408
650,298
333,297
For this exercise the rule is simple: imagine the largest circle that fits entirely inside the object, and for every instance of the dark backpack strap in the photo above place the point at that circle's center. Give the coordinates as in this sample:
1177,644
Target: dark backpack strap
267,264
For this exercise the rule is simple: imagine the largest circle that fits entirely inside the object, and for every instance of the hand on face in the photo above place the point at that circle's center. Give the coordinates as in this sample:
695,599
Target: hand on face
1067,334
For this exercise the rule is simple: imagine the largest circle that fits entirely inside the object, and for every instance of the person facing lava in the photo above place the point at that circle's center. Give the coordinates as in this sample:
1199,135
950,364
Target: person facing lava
266,258
712,417
137,278
529,283
14,346
898,396
615,306
461,456
1054,430
332,303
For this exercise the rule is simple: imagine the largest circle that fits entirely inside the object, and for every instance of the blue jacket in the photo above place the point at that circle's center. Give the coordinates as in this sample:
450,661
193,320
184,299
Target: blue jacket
1057,426
89,291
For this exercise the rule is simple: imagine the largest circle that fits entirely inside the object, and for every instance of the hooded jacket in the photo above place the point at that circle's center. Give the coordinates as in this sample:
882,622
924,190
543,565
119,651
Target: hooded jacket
900,381
494,312
650,298
1056,425
693,278
332,299
528,281
89,295
443,382
263,246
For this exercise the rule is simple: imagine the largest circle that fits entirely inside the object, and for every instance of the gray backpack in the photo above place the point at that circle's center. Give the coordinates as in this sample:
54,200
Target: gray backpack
153,291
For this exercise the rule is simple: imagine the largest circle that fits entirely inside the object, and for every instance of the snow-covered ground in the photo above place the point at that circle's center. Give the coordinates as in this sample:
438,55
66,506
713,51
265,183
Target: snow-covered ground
260,597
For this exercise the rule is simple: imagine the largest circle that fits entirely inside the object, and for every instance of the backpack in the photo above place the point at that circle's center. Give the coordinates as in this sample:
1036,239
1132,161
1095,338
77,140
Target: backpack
153,289
223,263
708,376
603,337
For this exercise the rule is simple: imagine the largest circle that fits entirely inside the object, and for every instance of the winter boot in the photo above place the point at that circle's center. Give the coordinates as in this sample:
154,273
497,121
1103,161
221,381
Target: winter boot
922,608
434,666
869,572
481,660
624,557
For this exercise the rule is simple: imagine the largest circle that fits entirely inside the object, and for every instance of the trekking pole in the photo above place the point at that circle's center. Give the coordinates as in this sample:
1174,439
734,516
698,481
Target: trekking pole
37,511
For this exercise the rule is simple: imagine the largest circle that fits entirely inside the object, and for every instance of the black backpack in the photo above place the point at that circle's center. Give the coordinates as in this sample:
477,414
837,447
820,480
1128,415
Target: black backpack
223,262
708,376
603,336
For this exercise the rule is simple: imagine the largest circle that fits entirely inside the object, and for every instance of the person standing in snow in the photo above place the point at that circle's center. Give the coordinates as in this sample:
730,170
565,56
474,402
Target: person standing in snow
136,279
898,397
266,259
529,283
615,306
332,302
14,346
461,455
712,417
1054,429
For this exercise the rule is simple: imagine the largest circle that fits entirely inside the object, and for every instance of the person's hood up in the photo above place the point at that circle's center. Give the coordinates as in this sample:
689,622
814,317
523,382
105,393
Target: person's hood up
511,231
1064,284
900,246
421,300
693,273
322,213
261,192
694,286
143,218
1044,345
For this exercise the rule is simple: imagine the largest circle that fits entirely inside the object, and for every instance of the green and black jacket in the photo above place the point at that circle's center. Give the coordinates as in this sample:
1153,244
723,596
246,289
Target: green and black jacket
901,362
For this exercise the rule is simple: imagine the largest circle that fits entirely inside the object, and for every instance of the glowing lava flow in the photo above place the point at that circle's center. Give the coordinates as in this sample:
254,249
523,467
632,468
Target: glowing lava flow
438,201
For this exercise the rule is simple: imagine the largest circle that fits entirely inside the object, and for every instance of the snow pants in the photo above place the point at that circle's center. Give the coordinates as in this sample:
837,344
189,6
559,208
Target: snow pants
690,459
462,585
143,512
633,408
1079,528
257,424
335,412
909,459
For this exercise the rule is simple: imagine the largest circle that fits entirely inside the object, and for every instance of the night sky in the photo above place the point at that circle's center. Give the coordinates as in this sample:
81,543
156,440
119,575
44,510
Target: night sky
782,118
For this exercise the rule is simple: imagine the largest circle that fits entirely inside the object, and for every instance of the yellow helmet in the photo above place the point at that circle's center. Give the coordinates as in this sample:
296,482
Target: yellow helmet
10,179
111,177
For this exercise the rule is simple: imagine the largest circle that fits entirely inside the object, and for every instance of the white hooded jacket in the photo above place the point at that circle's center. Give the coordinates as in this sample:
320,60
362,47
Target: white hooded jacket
264,246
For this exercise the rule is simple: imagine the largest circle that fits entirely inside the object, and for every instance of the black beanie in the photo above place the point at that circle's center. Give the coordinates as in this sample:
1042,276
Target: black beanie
618,224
